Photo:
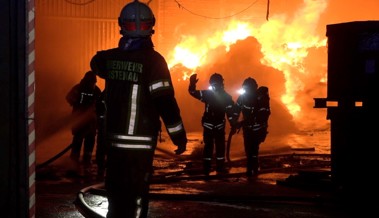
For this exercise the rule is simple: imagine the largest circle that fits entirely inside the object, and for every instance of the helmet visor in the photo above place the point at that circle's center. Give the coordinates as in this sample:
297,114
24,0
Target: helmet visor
132,25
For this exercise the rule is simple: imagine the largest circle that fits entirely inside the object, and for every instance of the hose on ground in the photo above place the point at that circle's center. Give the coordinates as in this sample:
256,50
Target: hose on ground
39,166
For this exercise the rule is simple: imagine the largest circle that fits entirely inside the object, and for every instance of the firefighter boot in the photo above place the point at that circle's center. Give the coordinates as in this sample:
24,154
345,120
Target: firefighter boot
252,167
255,165
87,164
207,165
220,167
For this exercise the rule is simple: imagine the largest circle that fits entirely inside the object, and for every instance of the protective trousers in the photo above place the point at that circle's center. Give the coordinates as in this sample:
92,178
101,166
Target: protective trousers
214,138
127,182
101,148
89,143
251,145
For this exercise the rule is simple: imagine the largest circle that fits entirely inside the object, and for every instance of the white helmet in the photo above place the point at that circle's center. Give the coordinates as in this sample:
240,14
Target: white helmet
136,20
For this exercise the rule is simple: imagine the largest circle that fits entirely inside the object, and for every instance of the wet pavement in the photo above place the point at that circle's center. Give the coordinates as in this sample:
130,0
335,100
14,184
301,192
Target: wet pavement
295,183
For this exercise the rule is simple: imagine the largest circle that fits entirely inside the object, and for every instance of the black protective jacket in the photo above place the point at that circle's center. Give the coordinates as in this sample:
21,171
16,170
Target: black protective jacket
255,109
217,105
82,97
138,92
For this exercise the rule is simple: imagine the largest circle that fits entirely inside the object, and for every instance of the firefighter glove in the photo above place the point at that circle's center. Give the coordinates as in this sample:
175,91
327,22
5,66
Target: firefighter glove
193,79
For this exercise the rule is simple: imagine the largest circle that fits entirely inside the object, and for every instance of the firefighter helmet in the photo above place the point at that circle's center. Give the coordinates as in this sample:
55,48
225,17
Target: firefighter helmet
136,20
249,84
216,78
216,81
90,77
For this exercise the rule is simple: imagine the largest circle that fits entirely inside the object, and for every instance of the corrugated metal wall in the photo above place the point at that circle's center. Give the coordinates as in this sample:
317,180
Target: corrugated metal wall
71,31
68,34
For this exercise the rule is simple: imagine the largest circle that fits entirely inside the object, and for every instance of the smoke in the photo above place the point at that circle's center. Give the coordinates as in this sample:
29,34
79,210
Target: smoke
240,62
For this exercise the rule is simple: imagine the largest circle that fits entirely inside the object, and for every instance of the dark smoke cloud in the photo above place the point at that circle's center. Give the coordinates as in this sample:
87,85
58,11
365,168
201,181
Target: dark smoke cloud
242,61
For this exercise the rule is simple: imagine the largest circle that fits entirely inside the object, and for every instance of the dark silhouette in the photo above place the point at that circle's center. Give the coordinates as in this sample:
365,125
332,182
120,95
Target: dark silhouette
254,104
82,97
101,145
138,94
218,104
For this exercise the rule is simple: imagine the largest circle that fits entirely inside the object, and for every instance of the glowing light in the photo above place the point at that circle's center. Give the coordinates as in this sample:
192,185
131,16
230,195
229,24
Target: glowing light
236,31
285,46
192,52
188,59
241,91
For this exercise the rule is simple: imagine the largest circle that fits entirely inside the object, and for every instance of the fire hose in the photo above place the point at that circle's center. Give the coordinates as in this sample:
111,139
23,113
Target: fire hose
44,164
87,209
228,146
54,158
228,143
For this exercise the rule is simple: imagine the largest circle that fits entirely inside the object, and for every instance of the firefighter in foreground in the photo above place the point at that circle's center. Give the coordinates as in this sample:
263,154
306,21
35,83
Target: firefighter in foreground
101,144
218,104
138,92
82,97
254,104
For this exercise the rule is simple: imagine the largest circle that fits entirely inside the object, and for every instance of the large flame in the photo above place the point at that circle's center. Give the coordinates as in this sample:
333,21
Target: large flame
284,43
192,51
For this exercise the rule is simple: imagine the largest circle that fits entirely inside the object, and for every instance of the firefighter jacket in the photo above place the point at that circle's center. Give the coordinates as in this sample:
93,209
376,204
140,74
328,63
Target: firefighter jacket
138,92
82,97
217,105
255,109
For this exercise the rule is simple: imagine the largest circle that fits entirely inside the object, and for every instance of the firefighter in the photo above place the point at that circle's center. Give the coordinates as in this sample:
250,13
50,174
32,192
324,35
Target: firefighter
82,97
218,104
101,145
138,94
254,105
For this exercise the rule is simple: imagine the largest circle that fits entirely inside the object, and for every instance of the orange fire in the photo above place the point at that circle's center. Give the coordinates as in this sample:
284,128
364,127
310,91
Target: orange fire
284,44
192,52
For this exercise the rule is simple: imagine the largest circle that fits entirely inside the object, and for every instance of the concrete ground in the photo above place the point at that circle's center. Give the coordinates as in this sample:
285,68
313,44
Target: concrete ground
292,183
